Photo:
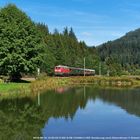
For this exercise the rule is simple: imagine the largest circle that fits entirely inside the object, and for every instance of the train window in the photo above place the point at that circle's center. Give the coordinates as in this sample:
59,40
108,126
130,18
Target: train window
57,67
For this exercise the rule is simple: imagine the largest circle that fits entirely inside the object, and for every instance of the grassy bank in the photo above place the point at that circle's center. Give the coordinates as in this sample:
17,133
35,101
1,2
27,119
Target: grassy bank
48,83
14,89
55,82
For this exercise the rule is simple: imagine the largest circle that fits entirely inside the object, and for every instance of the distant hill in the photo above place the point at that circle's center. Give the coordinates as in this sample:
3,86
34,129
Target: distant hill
124,51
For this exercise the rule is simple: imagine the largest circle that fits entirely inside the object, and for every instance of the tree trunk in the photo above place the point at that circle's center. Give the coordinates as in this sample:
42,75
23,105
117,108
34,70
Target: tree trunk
15,77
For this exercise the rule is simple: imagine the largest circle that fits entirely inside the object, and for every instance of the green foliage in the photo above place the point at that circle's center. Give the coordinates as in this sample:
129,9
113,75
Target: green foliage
20,43
64,49
136,72
113,67
25,46
125,51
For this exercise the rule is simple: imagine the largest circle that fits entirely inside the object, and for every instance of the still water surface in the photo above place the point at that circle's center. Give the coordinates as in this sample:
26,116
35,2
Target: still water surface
94,112
79,111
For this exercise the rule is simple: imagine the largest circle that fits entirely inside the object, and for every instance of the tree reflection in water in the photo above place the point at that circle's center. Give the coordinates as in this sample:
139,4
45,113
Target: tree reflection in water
24,118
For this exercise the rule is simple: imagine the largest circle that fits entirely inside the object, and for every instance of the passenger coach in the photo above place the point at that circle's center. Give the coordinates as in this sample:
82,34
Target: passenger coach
69,71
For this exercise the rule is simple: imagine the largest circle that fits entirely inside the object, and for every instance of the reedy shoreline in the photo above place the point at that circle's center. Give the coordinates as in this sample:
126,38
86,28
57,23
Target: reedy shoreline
12,90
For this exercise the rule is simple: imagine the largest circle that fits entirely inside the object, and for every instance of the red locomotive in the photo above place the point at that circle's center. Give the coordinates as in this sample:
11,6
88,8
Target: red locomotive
69,71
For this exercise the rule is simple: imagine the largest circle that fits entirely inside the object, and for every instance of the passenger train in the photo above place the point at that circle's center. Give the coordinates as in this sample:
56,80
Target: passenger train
61,70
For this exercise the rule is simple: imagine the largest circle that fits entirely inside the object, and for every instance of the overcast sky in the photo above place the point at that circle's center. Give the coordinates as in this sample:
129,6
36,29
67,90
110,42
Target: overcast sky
94,21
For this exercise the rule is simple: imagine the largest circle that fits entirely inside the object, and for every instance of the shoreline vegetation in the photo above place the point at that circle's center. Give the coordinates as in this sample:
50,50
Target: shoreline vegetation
40,85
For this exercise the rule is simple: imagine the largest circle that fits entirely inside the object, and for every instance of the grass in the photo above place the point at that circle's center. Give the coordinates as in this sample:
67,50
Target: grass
48,83
102,81
11,86
14,89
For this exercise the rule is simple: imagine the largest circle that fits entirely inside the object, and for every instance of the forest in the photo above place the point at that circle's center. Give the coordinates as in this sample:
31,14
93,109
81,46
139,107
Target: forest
123,53
26,46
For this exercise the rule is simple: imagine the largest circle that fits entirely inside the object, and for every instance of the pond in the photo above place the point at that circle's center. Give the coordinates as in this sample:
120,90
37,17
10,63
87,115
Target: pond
83,112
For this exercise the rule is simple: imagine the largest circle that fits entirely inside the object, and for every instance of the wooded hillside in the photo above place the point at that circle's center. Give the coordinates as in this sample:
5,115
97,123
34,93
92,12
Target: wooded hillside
123,52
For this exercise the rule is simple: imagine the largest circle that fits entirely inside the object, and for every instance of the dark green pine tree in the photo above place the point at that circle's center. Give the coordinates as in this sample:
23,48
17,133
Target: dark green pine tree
43,28
66,31
72,34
